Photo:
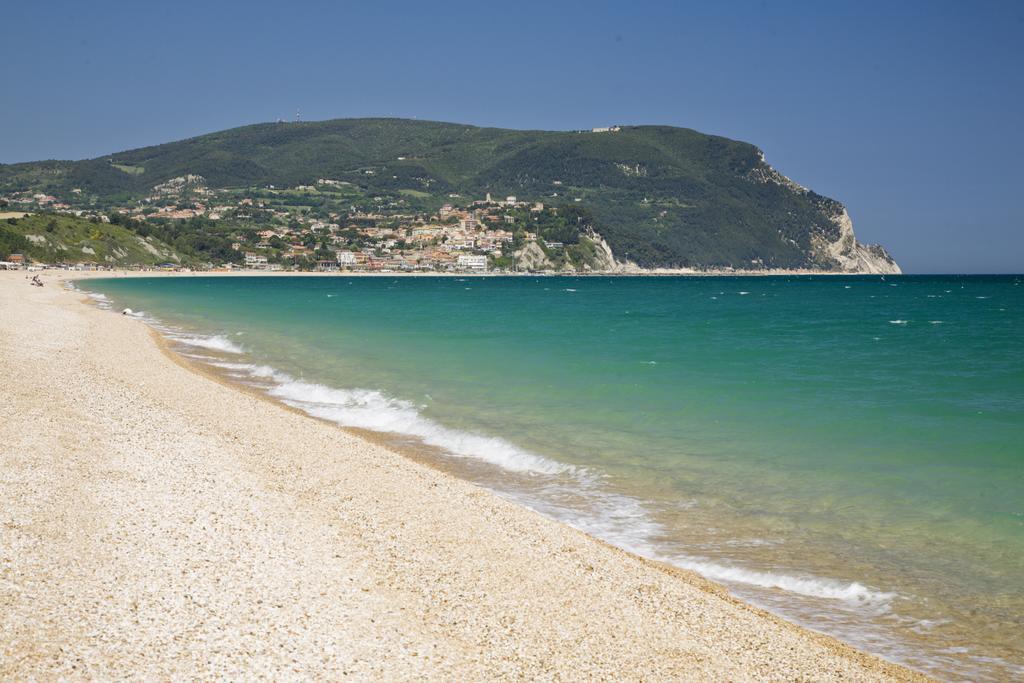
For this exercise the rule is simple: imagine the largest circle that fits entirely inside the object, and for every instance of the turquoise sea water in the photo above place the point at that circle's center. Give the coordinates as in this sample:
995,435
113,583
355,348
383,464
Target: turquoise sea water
848,452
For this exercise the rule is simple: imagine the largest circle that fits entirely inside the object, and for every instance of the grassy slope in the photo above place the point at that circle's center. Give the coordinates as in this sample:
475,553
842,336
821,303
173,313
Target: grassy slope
53,239
691,204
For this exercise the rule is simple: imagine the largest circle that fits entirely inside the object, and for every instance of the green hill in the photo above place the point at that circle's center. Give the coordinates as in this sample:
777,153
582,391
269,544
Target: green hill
660,196
50,238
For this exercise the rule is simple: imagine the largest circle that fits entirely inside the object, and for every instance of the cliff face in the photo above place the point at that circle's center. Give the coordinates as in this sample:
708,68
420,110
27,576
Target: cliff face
852,256
532,257
833,247
604,259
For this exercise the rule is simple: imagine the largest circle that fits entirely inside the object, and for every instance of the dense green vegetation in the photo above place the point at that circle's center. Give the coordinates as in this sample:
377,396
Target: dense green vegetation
53,238
197,238
661,196
12,242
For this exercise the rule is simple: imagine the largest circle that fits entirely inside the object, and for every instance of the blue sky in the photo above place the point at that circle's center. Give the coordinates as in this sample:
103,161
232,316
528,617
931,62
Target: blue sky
909,113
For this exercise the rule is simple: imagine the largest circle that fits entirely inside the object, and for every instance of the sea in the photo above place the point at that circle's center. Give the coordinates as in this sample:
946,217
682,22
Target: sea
847,452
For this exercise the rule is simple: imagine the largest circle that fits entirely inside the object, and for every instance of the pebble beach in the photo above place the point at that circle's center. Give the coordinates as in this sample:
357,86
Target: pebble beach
160,523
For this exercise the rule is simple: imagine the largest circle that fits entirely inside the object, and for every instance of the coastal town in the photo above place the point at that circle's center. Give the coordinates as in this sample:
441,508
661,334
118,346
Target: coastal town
333,226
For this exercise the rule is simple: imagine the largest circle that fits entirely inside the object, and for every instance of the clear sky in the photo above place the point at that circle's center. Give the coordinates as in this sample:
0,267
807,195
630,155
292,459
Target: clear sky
912,114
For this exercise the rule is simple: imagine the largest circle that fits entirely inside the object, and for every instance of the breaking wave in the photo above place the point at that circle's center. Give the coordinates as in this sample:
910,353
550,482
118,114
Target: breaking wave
852,593
101,299
217,342
369,409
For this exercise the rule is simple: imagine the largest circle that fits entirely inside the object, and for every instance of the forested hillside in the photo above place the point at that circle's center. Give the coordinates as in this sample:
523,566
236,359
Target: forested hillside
660,196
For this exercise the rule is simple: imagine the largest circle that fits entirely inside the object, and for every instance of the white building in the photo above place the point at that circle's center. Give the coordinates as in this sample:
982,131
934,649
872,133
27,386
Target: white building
345,258
472,262
254,260
460,242
510,201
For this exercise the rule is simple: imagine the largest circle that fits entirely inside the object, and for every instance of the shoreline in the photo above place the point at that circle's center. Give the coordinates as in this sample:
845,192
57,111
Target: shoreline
420,577
661,272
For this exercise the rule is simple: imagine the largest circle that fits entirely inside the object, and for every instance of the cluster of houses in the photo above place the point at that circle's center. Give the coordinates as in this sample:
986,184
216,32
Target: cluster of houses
41,200
28,202
466,238
453,239
165,202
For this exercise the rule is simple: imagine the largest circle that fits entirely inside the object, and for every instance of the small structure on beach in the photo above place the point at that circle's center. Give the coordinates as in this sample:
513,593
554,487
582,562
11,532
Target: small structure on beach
13,262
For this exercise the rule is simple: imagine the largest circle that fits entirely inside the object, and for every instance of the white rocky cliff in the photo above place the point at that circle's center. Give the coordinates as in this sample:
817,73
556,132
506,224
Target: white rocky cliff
851,255
843,252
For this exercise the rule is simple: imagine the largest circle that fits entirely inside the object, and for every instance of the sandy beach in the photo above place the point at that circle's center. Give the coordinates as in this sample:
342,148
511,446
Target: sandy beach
158,523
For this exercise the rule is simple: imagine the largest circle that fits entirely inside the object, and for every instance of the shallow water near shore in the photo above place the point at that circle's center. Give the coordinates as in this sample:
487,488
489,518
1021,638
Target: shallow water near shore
848,452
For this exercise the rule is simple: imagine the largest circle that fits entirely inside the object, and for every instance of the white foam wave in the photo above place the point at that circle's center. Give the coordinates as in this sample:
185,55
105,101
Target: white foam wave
258,371
897,322
202,357
585,504
102,300
369,409
215,342
852,593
